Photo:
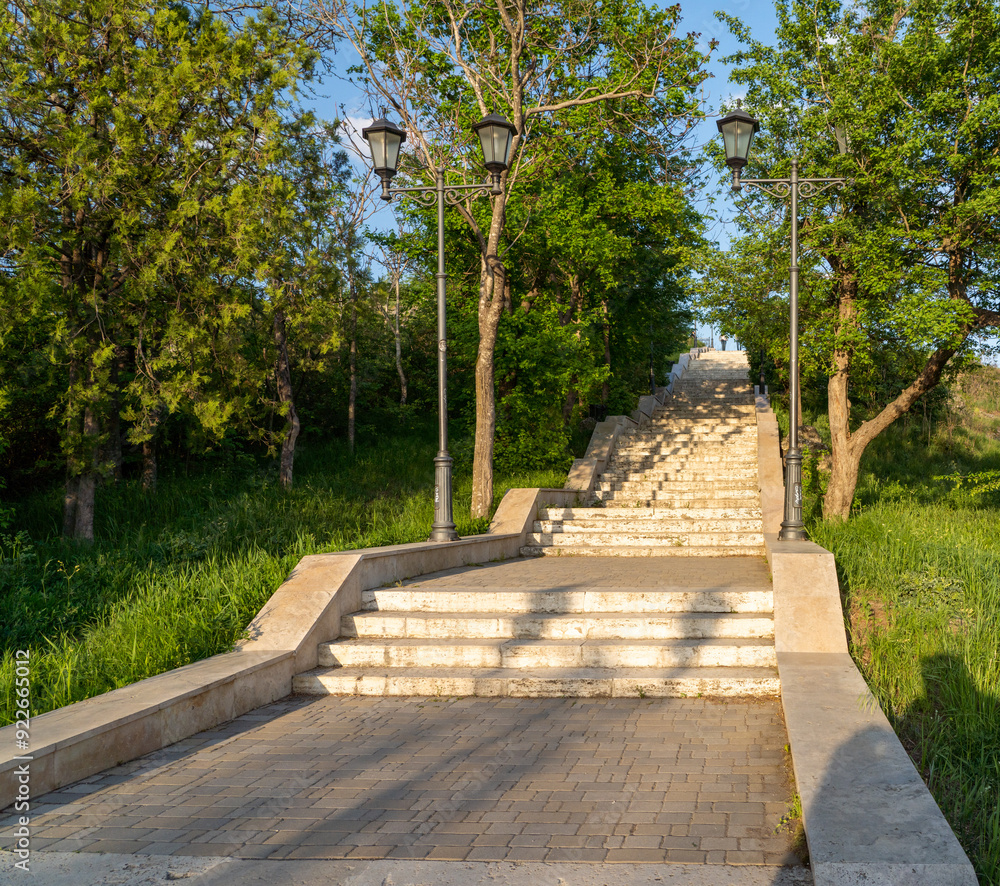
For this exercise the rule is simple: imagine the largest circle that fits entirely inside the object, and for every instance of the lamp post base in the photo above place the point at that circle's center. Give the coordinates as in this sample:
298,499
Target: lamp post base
443,528
792,527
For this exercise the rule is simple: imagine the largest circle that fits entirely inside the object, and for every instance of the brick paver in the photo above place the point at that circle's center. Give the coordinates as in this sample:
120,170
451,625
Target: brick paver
590,780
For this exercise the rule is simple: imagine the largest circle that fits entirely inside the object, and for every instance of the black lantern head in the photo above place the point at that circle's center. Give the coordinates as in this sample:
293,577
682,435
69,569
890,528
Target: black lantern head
384,139
738,129
496,134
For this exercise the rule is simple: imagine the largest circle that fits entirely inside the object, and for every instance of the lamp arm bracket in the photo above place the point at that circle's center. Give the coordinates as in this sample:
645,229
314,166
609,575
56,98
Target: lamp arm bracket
782,187
810,187
424,196
776,187
453,194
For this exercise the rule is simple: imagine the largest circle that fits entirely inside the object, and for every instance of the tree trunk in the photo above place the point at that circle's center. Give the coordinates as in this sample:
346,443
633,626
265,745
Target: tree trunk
606,333
848,447
490,311
70,498
845,460
74,429
149,466
353,395
83,458
399,352
83,527
283,375
111,456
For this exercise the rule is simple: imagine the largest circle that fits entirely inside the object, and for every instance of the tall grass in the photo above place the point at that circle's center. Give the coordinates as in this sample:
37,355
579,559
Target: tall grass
176,576
919,567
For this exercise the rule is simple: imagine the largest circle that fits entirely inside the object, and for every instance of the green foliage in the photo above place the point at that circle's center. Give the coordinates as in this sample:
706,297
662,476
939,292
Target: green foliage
980,483
595,93
141,180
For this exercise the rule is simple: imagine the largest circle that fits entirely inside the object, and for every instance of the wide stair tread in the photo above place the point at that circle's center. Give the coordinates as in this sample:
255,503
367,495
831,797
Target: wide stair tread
657,550
557,625
548,600
543,683
528,653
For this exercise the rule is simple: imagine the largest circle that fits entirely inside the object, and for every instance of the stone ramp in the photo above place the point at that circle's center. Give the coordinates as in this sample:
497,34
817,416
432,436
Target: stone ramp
604,627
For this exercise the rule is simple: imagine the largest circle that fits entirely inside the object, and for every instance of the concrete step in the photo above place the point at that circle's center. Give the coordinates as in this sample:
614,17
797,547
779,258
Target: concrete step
717,373
630,505
525,600
662,499
557,626
724,379
718,456
424,653
726,428
639,551
705,487
553,682
665,522
679,413
568,538
737,512
710,393
696,450
718,444
735,448
679,470
680,474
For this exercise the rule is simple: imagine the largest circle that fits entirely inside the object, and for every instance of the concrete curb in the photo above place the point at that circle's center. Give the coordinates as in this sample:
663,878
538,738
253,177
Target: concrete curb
87,737
868,815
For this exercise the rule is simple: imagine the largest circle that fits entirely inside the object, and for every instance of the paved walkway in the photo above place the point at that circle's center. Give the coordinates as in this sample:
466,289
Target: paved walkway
559,781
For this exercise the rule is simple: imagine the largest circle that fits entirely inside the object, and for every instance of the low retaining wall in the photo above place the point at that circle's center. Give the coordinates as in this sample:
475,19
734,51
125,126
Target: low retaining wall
87,737
868,815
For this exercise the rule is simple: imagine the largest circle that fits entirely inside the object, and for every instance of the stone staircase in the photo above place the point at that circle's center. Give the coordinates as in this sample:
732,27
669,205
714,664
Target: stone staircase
687,625
575,632
683,485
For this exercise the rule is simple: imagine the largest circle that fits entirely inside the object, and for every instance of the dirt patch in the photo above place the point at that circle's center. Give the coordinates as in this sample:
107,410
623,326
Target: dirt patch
865,618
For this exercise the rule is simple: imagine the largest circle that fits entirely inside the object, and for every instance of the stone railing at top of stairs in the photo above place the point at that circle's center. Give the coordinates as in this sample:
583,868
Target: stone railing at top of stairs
584,473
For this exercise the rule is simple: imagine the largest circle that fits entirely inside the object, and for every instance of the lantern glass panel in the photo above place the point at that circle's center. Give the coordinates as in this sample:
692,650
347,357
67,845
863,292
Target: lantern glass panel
392,145
738,136
376,143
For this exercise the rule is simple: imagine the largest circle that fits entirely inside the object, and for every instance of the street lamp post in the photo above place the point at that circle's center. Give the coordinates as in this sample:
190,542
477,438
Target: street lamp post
384,140
738,129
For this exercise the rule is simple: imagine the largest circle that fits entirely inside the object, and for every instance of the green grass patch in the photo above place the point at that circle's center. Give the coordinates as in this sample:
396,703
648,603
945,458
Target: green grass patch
176,576
919,568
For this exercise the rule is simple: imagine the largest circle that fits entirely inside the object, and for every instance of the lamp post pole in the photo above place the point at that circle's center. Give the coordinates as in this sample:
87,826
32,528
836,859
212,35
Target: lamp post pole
442,194
385,138
443,528
738,129
792,527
